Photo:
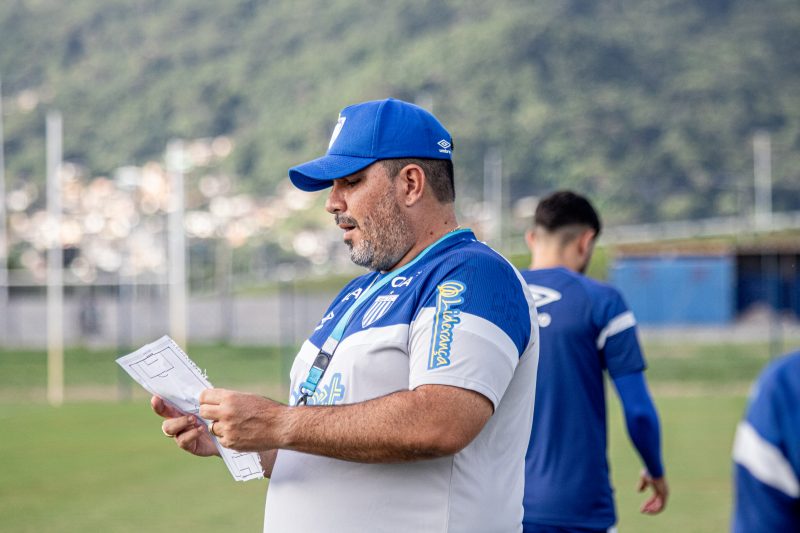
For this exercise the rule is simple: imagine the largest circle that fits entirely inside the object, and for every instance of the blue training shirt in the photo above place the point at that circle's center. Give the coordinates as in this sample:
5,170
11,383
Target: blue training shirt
454,317
766,453
585,328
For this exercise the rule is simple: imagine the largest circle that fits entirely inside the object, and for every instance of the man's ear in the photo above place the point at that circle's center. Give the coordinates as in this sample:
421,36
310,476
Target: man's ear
530,238
585,242
411,181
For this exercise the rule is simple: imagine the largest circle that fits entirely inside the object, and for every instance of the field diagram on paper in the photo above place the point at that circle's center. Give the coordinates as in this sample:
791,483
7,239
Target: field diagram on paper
165,370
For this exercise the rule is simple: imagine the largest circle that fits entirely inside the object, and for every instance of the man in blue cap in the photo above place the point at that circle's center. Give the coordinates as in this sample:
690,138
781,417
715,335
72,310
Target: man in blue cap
411,400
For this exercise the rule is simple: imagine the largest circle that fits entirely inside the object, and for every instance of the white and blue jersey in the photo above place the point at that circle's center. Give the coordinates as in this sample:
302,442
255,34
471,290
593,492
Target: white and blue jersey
586,329
766,453
452,318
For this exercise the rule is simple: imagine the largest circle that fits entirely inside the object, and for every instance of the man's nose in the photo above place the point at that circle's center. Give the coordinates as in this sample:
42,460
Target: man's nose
335,203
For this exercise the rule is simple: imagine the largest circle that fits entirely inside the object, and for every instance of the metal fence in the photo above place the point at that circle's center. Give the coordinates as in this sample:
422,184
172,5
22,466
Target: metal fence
131,316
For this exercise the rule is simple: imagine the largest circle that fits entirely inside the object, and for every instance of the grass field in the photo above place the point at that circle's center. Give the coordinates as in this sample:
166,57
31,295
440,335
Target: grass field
697,434
105,466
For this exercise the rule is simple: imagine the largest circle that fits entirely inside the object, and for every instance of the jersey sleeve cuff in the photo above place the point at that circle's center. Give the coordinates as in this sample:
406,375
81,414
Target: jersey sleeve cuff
455,381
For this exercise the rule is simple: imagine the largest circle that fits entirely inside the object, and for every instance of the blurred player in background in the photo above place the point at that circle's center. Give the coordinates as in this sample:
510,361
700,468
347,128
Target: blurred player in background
766,453
585,329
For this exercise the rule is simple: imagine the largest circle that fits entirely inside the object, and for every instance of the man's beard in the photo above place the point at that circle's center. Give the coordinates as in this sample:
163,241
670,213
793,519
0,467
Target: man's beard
385,236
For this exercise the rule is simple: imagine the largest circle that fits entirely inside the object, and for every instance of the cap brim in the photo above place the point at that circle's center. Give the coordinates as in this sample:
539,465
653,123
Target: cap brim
320,173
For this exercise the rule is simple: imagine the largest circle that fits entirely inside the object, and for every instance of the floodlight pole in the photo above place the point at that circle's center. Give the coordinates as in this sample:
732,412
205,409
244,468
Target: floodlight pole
493,196
177,243
224,268
55,264
762,173
762,214
4,290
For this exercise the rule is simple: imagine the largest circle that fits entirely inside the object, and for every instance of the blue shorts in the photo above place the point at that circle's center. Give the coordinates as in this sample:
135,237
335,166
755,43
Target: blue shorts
541,528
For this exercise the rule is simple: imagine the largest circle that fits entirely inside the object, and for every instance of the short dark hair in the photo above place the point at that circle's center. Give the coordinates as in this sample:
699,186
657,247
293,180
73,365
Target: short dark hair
562,209
438,171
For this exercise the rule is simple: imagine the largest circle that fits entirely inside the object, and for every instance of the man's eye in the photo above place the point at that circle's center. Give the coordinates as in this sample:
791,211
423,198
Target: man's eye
352,182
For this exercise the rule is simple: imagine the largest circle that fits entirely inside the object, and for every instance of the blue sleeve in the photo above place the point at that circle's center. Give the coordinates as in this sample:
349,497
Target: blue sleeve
617,340
485,286
642,420
766,453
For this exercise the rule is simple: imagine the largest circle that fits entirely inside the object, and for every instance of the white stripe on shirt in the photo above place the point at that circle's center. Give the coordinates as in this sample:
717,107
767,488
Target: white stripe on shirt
616,325
764,460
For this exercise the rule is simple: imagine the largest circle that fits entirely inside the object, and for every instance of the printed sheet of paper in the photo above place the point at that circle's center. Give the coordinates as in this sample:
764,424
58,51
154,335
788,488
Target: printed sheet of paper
163,369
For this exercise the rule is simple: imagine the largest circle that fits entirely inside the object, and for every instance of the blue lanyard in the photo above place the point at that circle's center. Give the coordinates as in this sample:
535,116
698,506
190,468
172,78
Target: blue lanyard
323,359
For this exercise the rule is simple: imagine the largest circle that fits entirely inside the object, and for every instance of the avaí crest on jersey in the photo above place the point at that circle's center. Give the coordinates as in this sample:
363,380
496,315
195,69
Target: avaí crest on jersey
378,309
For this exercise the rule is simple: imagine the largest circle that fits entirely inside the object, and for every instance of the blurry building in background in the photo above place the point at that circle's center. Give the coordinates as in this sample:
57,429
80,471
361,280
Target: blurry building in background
677,290
715,283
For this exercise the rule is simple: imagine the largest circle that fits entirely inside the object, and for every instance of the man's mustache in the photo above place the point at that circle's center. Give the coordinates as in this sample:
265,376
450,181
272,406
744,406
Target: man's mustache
344,219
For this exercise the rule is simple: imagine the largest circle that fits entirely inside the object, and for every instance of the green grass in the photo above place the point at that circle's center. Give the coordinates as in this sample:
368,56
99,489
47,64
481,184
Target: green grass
25,371
232,365
719,363
106,467
697,438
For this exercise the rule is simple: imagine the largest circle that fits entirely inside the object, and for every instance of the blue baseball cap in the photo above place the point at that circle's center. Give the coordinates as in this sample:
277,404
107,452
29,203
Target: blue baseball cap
369,132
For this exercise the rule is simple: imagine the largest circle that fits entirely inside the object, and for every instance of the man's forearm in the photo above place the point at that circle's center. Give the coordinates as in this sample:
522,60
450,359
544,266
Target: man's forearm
430,421
404,426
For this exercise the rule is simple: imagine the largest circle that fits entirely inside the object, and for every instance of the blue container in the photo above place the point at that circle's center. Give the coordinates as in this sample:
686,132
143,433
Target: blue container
669,290
758,288
768,281
795,294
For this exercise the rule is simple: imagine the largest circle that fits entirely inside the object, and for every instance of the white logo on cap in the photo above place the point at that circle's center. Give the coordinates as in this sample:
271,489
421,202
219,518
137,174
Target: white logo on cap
336,130
445,146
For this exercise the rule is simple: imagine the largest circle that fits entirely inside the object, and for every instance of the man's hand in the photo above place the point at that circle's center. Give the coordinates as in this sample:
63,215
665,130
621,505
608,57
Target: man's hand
243,422
190,434
658,501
